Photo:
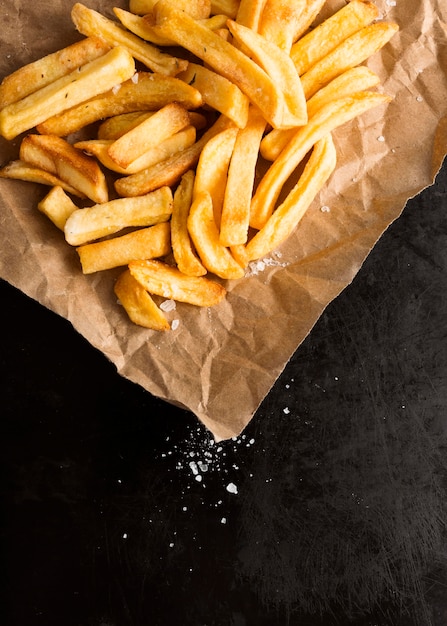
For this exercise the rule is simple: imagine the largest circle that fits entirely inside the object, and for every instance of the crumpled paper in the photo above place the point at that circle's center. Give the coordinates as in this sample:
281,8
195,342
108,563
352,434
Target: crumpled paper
221,362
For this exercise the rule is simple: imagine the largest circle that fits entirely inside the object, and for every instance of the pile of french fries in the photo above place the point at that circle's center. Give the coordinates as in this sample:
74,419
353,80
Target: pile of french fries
183,140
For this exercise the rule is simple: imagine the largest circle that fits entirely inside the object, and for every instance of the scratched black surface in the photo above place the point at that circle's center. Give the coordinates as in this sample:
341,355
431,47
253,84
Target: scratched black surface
115,505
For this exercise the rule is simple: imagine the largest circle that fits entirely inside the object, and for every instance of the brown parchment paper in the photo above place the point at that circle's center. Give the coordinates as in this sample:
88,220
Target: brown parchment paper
221,362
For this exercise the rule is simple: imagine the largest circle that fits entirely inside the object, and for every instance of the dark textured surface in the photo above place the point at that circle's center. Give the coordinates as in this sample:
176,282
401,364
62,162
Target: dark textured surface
339,515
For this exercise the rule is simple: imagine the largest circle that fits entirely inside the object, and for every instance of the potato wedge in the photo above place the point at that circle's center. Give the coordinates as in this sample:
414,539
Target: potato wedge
169,282
33,76
144,92
145,243
92,23
95,77
57,156
19,170
100,220
205,236
138,304
57,206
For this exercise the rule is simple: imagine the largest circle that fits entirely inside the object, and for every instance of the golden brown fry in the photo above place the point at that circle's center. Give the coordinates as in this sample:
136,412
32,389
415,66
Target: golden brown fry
286,217
57,206
57,156
280,20
169,282
205,236
19,170
351,52
235,215
352,81
331,32
328,118
249,13
33,76
138,304
218,92
279,66
198,9
308,15
145,243
212,168
223,58
114,127
169,147
184,254
225,7
93,24
162,125
168,172
144,92
85,225
95,77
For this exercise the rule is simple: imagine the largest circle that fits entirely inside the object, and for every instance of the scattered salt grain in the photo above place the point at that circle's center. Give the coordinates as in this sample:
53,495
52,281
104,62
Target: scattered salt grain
325,209
381,138
231,488
286,410
125,536
175,324
134,78
223,520
419,98
168,305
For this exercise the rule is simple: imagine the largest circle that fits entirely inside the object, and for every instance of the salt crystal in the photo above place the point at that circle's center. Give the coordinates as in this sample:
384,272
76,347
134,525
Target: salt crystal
231,488
134,78
171,545
381,138
199,478
125,536
223,520
194,468
168,305
286,410
175,324
325,209
419,98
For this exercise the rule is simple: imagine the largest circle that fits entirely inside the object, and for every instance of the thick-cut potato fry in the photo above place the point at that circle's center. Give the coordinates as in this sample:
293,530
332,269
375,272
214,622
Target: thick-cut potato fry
286,217
218,92
144,92
279,21
169,147
351,52
167,121
33,76
225,7
212,169
145,243
93,78
235,214
169,282
182,248
57,156
168,172
352,81
279,66
57,206
100,220
198,9
331,32
327,119
308,15
19,170
138,304
249,13
222,57
116,126
205,236
93,24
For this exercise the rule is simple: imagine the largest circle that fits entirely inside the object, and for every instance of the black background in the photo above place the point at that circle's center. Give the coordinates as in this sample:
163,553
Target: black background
339,515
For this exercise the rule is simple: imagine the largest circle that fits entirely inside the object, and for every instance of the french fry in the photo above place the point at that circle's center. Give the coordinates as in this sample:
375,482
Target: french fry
170,171
144,243
280,20
93,24
144,92
205,236
212,169
142,7
33,76
218,92
198,9
163,124
182,248
351,52
57,206
57,156
352,81
138,304
327,119
19,170
93,78
286,217
235,214
100,220
249,13
114,127
321,40
310,12
280,68
225,7
172,145
169,282
223,58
